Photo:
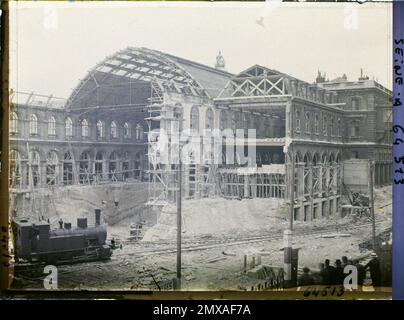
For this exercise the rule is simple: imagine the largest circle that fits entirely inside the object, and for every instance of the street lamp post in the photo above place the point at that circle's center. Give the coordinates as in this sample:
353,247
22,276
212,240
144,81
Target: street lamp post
292,190
372,204
287,235
181,143
179,218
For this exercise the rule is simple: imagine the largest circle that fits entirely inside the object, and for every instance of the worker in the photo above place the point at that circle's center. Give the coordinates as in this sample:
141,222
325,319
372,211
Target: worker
361,272
329,273
339,272
306,279
60,223
345,261
322,274
374,267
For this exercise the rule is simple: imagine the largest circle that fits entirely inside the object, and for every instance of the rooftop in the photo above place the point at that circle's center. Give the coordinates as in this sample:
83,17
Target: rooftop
37,100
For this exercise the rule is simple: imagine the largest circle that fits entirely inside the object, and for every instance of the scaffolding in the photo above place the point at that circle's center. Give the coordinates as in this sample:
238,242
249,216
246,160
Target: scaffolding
241,184
161,175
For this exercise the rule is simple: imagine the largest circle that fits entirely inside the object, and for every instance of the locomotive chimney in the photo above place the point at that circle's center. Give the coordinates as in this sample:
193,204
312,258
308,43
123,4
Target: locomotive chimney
82,223
97,217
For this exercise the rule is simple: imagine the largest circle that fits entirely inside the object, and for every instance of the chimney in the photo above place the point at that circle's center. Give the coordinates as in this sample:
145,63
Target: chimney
82,223
97,217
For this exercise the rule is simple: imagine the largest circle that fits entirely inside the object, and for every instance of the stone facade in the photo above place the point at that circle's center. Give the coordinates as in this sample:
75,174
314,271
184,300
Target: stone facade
98,133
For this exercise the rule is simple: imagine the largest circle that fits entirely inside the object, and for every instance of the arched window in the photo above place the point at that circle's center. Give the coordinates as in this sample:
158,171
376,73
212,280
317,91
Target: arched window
126,166
306,160
307,122
113,165
355,129
100,129
126,130
35,162
297,120
14,156
316,123
67,157
52,126
325,125
35,158
84,128
356,103
84,176
68,127
15,169
52,158
194,123
139,132
209,119
51,168
33,124
85,156
99,163
315,159
332,126
114,130
68,168
13,122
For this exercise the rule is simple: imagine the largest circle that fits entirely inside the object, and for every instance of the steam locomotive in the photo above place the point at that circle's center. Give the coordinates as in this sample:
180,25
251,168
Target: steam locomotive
36,242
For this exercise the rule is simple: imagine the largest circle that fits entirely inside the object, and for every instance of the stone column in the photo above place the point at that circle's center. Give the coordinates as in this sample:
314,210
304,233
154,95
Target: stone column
310,218
300,189
327,182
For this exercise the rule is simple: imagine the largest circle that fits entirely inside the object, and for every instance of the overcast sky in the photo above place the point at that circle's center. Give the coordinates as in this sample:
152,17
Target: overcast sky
53,46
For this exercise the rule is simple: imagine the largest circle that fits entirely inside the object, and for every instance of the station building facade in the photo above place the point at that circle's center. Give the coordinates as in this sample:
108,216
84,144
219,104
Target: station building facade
100,133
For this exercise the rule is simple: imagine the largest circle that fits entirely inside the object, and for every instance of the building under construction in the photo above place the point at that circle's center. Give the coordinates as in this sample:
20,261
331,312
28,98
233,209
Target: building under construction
110,129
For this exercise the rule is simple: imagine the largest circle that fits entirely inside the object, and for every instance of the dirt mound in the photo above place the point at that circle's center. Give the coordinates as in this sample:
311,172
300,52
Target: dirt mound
218,216
117,201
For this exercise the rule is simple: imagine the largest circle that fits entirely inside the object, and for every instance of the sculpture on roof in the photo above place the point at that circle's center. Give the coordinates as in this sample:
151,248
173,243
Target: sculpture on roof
320,78
220,63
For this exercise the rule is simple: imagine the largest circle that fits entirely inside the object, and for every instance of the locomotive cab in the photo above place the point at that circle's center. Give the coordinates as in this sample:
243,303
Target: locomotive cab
30,238
37,242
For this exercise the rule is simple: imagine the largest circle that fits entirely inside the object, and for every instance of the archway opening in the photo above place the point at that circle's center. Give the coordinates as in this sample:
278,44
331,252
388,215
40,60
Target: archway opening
51,168
99,165
67,168
85,168
113,166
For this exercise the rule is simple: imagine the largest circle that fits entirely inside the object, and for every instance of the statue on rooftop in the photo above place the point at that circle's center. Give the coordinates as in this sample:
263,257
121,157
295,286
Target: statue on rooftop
220,63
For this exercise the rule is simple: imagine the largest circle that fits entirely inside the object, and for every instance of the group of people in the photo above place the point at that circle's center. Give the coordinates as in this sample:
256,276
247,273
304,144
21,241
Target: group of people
334,274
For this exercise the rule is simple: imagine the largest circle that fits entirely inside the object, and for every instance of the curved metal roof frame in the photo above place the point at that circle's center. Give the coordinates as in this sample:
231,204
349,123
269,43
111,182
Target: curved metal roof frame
139,64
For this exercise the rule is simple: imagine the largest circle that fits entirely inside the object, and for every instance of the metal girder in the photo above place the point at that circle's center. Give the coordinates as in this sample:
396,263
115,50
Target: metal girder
256,81
139,64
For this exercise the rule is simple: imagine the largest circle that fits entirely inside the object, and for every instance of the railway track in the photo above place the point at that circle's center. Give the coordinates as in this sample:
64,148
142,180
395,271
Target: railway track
35,272
218,243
